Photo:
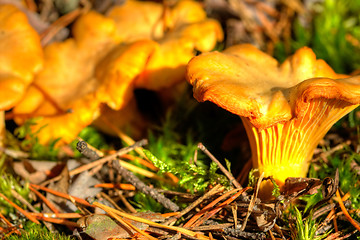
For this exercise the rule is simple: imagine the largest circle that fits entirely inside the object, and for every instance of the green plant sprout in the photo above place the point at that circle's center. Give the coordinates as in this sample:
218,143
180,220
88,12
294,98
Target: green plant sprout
306,229
8,183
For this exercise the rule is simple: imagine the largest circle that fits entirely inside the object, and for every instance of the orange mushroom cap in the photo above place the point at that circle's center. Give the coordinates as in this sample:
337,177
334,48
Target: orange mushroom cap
179,31
67,80
21,55
286,109
118,70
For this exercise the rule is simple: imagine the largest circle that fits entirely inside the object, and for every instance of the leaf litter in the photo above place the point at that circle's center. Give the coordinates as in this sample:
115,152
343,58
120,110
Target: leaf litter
72,193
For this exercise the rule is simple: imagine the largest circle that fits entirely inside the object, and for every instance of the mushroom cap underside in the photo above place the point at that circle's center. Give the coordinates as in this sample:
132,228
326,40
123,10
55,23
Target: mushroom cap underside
252,84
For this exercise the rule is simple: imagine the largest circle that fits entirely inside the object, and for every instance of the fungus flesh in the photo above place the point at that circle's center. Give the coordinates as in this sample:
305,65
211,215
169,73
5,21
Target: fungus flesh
286,109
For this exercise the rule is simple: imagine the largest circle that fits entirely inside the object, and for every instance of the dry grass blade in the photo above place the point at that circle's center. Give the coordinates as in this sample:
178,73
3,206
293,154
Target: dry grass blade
151,223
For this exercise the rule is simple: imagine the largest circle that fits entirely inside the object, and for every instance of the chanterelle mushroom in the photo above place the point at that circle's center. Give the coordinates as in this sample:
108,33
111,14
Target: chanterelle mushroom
286,109
21,57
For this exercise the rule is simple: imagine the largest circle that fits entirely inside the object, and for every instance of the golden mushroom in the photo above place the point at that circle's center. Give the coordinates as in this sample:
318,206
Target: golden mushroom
178,31
63,92
21,57
286,109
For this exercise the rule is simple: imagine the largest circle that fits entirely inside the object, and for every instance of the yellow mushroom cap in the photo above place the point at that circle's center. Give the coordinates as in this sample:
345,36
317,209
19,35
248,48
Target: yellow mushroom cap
286,109
21,55
118,70
62,88
179,31
252,84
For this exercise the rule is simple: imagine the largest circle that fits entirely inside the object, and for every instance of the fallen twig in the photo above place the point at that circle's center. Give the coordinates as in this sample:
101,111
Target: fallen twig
134,180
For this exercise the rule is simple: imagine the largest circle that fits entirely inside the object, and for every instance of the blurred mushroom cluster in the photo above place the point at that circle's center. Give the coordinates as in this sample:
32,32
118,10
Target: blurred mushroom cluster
92,75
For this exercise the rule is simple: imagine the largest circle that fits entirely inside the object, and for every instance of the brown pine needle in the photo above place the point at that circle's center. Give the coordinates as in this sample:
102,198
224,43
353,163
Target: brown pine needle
58,215
63,195
5,220
208,207
218,208
129,225
346,213
58,221
26,214
151,223
218,188
144,172
141,161
45,200
123,186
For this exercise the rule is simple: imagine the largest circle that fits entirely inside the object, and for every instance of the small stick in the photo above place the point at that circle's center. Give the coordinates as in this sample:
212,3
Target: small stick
108,158
134,180
87,151
222,168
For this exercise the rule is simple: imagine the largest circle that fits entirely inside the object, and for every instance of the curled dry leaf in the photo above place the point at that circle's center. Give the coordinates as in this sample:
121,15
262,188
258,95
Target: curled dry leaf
286,109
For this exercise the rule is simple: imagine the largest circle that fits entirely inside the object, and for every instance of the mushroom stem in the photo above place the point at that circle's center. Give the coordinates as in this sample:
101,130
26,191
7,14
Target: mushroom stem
285,149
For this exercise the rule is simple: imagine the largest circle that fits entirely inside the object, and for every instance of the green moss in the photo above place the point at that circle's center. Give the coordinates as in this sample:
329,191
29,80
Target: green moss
34,231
